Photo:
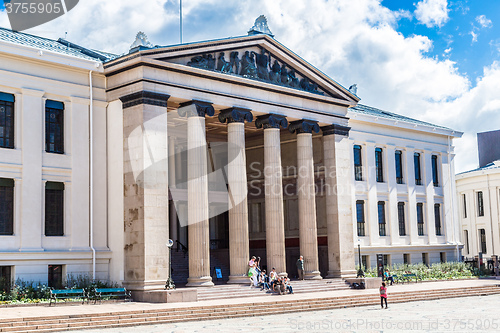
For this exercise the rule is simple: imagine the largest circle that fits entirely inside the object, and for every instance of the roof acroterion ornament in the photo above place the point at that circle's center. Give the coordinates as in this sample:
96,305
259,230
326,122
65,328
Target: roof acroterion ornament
260,27
141,40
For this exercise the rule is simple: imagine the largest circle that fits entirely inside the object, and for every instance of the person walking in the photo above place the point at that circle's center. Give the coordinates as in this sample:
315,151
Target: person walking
383,295
300,268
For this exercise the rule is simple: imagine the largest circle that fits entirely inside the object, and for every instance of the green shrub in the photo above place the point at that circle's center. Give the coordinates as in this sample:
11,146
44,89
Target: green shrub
437,271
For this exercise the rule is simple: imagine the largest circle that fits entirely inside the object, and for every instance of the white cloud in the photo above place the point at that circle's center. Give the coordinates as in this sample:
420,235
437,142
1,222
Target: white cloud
484,22
474,36
432,12
351,41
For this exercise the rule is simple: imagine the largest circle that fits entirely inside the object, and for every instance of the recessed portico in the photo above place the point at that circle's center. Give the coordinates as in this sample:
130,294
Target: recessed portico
226,132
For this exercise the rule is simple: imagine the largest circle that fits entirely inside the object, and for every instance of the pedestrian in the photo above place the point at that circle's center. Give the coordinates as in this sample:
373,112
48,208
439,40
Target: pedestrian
252,261
388,276
383,295
300,268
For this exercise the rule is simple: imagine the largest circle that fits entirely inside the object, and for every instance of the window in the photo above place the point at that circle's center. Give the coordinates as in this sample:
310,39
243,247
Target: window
399,166
6,120
358,166
54,127
365,261
406,258
401,219
54,209
425,259
437,218
386,260
378,165
55,276
381,218
466,241
465,205
5,278
480,204
418,172
442,256
360,217
482,240
6,206
435,177
420,218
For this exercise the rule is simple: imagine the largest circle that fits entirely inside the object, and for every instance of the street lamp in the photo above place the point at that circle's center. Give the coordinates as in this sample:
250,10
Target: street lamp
170,283
360,271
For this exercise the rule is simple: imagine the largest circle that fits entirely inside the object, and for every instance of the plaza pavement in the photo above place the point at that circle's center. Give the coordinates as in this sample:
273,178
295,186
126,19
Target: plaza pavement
487,311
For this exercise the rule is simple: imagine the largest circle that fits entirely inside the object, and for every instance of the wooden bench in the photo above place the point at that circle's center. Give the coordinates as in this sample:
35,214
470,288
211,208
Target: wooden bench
100,293
65,294
410,277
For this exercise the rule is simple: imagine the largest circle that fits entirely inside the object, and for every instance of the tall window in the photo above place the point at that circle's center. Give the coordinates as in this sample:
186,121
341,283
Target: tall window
399,166
420,218
442,256
55,278
54,127
435,177
466,240
5,278
386,260
6,120
381,218
406,258
401,219
437,218
482,240
425,259
418,172
54,209
6,206
465,205
366,261
358,165
378,165
360,217
480,204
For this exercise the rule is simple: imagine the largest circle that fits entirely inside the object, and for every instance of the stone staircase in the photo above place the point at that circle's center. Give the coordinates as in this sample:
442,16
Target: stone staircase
299,287
275,305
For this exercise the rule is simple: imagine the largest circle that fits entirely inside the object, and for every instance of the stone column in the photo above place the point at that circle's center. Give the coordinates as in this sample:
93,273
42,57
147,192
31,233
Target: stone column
145,168
273,187
198,226
308,232
172,184
237,188
338,183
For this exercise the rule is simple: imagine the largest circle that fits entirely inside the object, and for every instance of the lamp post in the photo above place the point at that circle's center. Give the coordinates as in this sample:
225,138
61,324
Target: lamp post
170,283
360,271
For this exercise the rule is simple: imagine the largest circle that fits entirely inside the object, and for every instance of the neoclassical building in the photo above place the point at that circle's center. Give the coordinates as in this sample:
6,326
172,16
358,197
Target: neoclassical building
231,148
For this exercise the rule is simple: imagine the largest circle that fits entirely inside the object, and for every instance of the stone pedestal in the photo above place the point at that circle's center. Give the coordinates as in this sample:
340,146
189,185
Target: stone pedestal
338,182
145,191
166,296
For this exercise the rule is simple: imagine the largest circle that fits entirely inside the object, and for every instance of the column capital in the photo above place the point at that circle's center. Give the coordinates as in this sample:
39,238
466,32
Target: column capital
303,126
144,97
196,108
235,115
271,120
335,129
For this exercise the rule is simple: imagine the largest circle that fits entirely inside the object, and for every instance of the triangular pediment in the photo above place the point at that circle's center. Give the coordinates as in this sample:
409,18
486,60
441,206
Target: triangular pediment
259,58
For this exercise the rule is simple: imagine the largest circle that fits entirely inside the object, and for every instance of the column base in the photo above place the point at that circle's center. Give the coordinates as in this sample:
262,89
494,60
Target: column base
204,281
314,275
144,285
239,279
347,274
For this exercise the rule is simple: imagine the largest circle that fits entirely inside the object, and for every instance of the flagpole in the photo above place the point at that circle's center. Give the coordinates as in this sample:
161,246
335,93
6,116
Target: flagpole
180,17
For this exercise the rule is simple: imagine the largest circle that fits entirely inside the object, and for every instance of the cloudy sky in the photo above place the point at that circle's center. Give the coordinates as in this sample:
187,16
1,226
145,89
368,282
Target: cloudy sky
435,60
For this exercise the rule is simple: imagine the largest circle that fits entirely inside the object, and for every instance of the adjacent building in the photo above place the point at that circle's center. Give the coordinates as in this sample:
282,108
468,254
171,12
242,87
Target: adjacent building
231,148
479,200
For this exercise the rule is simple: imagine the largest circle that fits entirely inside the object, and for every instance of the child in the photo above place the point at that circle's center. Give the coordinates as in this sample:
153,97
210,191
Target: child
383,295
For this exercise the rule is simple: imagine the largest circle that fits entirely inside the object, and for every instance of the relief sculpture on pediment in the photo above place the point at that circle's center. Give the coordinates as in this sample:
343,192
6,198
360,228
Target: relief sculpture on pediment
257,66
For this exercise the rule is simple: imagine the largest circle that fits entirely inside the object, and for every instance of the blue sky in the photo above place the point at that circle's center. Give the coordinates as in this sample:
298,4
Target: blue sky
434,60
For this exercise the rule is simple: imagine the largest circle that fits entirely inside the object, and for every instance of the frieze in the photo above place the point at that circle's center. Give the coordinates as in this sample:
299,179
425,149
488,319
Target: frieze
260,66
